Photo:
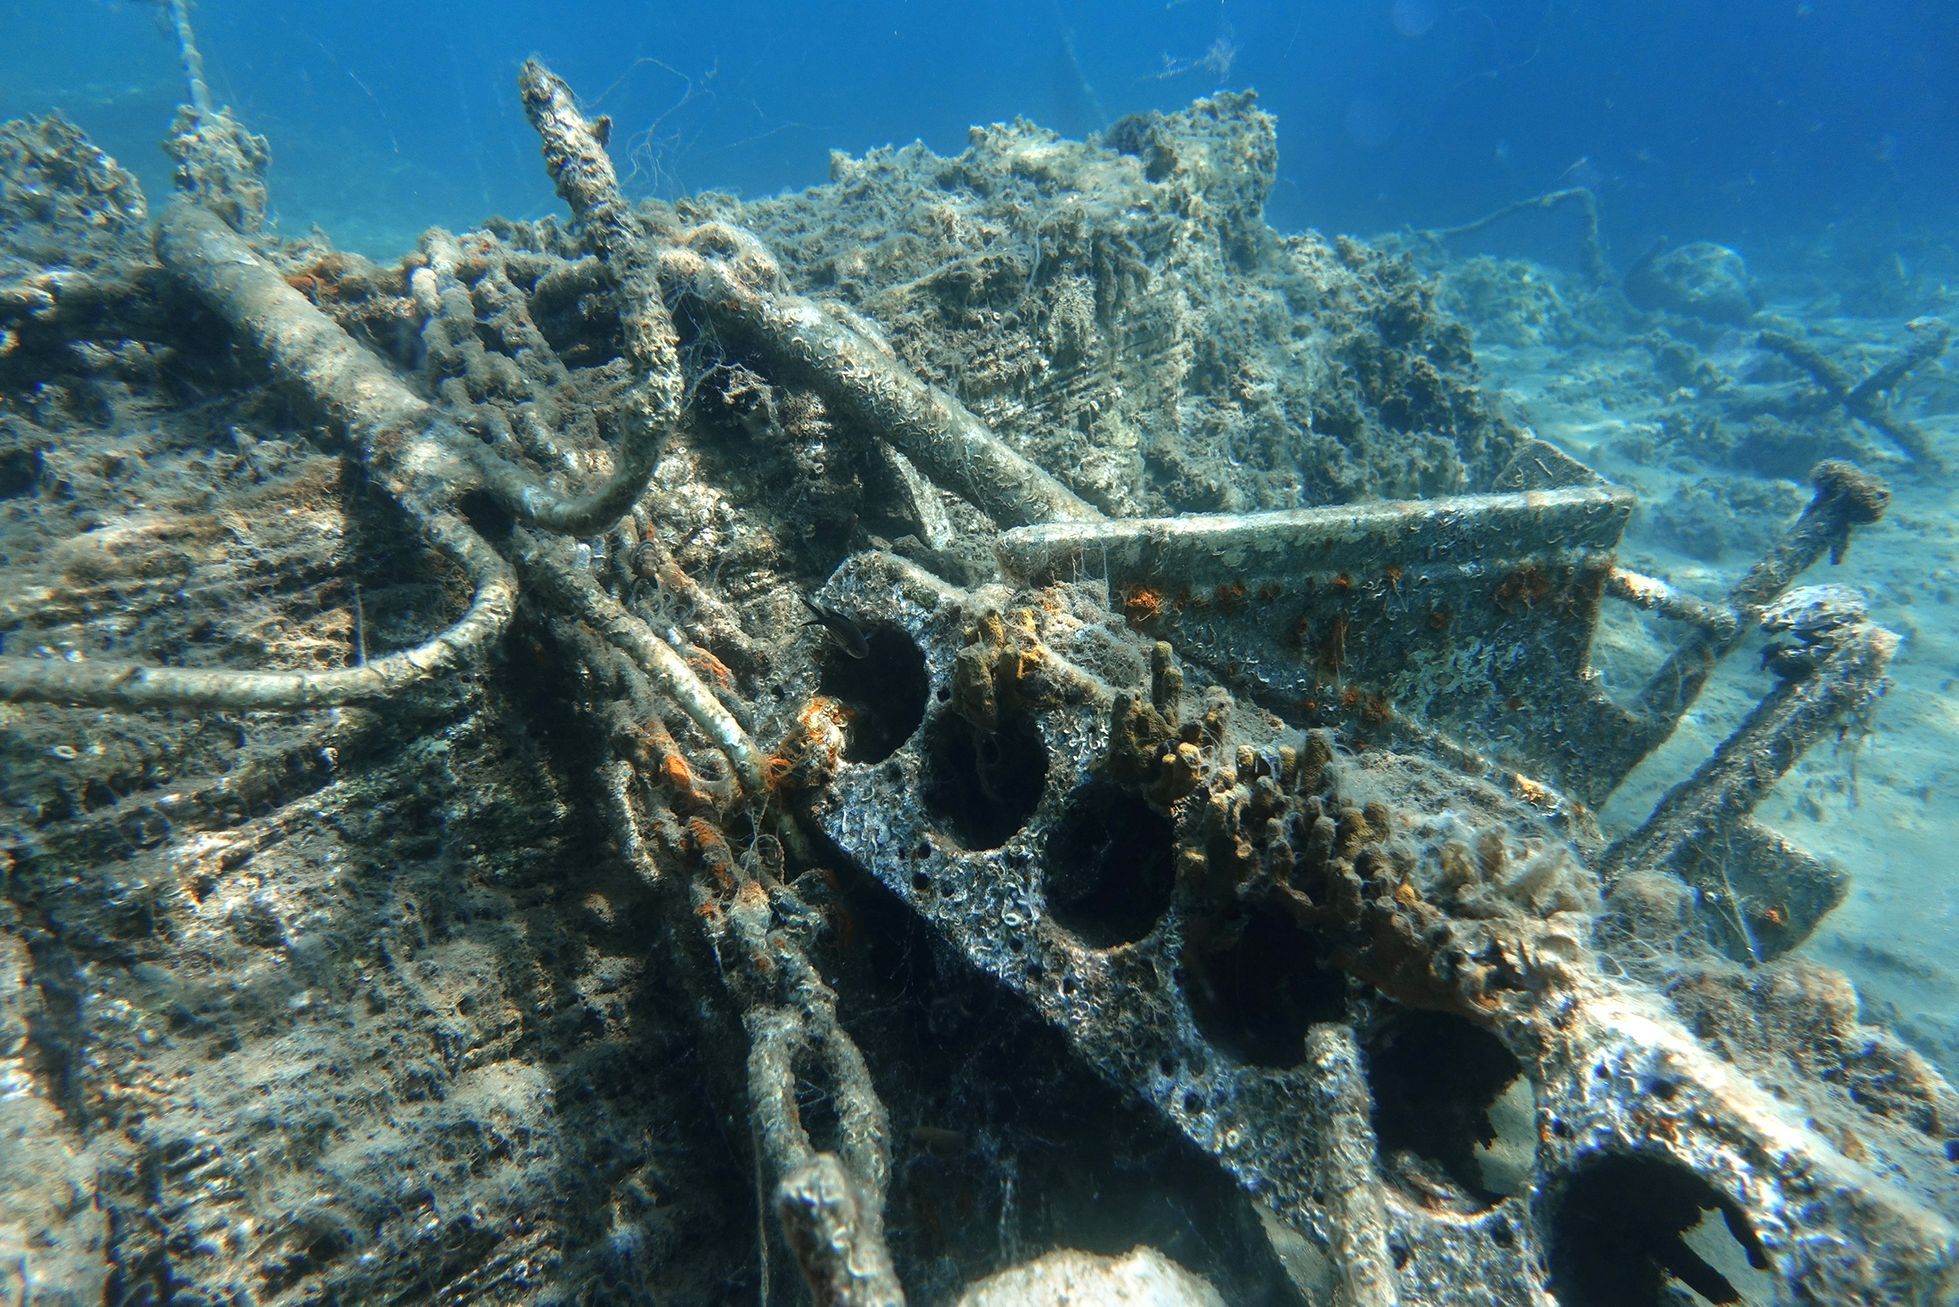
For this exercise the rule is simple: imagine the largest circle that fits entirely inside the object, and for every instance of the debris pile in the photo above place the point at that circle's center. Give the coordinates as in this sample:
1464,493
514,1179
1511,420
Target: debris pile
1194,746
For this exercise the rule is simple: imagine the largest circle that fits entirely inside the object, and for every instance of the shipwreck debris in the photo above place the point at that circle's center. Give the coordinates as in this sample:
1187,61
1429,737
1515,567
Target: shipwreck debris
1866,398
1238,804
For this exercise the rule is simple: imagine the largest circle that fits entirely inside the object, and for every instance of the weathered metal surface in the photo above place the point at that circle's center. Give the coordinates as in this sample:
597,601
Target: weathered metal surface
1279,1072
1469,616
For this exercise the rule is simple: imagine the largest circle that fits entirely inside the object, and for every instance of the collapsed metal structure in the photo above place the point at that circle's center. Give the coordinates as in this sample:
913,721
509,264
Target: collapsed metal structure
1183,881
1283,819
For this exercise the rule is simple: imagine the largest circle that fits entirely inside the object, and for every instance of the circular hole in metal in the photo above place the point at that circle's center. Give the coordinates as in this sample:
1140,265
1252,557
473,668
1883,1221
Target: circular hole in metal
1638,1230
886,691
1472,1128
983,786
1110,866
1255,984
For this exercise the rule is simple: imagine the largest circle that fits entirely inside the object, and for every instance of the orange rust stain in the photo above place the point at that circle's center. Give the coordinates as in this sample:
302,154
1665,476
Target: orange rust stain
1142,605
711,667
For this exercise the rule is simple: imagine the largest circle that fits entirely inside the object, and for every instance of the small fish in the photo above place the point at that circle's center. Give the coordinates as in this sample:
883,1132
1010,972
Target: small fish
848,635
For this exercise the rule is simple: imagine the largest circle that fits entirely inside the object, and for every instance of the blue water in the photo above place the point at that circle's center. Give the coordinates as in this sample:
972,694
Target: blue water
1753,122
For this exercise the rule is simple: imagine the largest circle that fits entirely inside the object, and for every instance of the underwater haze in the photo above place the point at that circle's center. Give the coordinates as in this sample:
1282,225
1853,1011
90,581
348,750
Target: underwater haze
1757,123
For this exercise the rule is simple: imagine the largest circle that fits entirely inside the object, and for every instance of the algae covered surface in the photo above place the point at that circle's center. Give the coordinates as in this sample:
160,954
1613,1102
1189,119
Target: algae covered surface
514,985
